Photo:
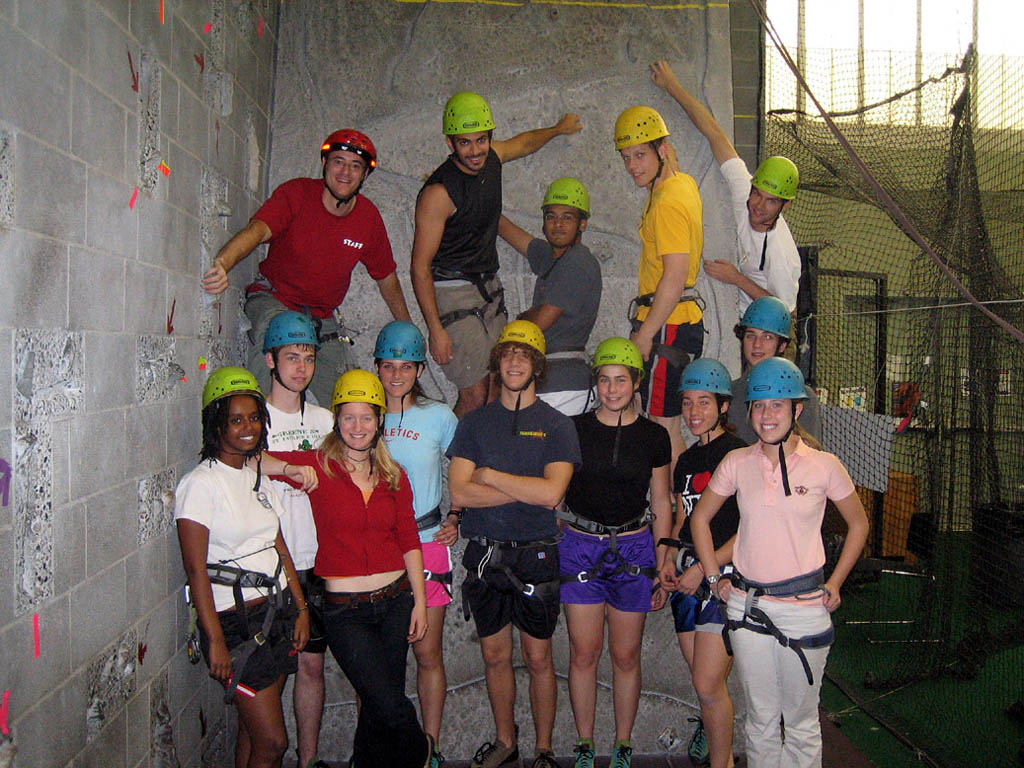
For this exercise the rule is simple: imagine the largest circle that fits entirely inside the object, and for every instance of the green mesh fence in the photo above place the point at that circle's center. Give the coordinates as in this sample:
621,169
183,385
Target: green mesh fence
921,390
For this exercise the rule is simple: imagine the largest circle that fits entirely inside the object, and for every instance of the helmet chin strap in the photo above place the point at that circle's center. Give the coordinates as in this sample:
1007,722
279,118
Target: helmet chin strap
519,398
782,452
341,200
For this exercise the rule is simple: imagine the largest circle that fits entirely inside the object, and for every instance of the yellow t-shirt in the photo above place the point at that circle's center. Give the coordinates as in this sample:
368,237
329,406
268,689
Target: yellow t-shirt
673,224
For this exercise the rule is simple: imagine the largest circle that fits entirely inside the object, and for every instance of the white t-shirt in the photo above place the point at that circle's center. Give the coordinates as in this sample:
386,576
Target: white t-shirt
243,524
781,273
295,432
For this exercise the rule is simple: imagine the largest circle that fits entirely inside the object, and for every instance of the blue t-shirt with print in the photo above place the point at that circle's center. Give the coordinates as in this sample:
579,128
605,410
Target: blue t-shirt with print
541,436
418,444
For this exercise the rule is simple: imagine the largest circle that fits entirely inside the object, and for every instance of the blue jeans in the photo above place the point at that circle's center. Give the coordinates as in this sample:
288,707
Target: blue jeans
369,642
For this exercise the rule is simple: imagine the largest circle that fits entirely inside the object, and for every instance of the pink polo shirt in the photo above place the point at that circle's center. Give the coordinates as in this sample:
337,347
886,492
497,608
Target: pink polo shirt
780,536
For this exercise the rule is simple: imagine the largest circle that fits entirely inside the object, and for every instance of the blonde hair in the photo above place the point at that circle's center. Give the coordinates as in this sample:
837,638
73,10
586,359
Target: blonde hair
382,465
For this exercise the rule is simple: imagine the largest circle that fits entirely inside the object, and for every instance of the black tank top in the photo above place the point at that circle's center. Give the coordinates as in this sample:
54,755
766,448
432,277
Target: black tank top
468,244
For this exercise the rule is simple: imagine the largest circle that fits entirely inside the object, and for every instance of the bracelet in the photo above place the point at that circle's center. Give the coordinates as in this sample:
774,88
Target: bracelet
303,608
285,470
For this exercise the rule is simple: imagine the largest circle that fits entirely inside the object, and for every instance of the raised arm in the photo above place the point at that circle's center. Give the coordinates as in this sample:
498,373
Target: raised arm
433,207
528,142
547,491
391,291
234,250
514,235
466,491
700,116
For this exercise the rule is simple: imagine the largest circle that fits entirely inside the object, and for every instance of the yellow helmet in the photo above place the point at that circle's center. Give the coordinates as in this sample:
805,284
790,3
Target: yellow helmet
358,386
524,332
638,125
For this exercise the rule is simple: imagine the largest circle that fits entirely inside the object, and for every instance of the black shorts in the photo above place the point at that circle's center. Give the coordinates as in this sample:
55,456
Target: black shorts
270,660
313,590
659,390
495,601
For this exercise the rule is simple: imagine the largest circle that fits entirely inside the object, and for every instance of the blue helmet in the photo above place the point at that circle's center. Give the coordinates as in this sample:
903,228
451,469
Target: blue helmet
706,374
290,327
768,314
775,378
399,340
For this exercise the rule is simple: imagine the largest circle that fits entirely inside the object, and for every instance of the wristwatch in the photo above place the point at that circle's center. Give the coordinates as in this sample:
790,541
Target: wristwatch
713,579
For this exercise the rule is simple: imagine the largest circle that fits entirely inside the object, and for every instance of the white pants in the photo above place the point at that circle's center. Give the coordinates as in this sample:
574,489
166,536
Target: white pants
775,684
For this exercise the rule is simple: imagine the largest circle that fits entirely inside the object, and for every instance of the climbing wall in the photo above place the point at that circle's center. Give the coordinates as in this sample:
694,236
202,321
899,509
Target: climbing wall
133,142
387,68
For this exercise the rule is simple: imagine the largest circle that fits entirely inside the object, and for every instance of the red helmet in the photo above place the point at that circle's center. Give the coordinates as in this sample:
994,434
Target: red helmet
351,141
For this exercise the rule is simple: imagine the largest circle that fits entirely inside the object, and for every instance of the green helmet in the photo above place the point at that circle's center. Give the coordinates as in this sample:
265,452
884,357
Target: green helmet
618,351
568,191
777,176
466,112
230,380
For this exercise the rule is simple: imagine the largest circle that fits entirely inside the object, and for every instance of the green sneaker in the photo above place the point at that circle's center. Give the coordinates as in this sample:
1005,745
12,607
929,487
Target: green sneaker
698,747
436,759
584,750
622,756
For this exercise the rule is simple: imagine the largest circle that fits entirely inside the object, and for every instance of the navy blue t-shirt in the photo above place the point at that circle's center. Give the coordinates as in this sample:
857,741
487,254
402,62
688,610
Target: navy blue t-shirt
542,436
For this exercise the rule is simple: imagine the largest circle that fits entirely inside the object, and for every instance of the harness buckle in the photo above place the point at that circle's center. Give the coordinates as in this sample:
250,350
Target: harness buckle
259,638
529,589
583,577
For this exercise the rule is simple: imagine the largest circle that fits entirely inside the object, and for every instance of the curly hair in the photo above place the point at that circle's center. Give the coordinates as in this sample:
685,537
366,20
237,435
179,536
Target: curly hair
215,419
539,361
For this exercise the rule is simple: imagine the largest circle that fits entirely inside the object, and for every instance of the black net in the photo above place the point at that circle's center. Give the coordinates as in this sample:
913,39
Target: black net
921,390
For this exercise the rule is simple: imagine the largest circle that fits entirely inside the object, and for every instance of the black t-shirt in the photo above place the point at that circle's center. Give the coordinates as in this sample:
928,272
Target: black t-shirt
542,436
469,240
693,473
615,494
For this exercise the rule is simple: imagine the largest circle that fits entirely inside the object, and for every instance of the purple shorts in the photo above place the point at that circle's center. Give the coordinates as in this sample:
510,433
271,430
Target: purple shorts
580,552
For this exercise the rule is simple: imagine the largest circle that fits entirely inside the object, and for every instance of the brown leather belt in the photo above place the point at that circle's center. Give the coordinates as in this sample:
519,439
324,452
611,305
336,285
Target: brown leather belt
399,585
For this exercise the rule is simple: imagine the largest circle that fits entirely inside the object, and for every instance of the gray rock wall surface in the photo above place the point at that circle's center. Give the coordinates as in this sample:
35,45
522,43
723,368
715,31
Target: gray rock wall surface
387,68
102,324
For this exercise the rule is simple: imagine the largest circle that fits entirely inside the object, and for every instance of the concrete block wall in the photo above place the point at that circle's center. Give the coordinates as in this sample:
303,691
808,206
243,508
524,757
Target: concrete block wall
102,321
389,75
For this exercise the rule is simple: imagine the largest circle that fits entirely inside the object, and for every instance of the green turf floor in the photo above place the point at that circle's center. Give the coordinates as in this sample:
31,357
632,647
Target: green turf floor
956,719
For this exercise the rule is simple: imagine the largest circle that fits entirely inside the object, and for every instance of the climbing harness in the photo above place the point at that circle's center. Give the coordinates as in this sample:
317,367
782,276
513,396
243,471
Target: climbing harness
479,280
756,620
429,519
238,578
494,558
610,556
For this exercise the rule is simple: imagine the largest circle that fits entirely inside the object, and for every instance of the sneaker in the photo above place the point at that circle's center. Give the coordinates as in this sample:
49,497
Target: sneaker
622,756
436,759
493,754
545,759
584,750
698,747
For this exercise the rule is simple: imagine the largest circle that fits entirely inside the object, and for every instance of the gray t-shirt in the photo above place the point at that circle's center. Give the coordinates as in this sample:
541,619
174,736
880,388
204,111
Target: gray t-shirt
571,282
810,419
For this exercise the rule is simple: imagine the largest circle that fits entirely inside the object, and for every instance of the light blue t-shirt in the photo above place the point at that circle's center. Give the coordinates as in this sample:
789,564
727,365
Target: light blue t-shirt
419,445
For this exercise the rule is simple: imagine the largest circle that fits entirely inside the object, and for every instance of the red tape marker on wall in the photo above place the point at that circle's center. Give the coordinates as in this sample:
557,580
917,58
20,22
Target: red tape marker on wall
35,632
135,196
3,714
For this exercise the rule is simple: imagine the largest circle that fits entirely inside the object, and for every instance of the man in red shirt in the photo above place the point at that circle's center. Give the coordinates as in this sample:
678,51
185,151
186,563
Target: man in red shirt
318,231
